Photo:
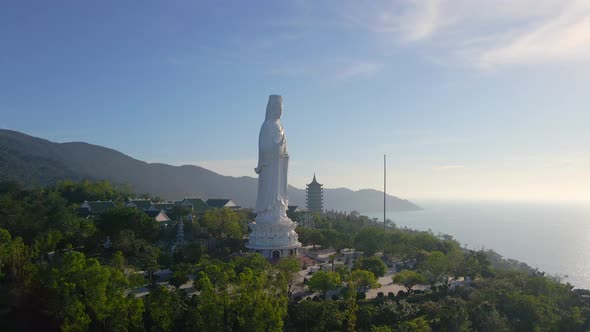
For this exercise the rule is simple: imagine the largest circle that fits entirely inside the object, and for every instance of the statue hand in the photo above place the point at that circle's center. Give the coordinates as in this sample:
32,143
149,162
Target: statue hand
258,169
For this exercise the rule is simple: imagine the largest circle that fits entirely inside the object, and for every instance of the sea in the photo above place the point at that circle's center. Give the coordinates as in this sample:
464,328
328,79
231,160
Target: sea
553,237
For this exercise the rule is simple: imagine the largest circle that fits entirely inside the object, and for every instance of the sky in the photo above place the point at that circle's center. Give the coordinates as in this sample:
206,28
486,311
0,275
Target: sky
469,99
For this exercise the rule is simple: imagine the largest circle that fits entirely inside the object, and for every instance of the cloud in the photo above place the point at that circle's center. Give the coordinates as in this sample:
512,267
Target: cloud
359,70
338,69
414,21
480,33
565,37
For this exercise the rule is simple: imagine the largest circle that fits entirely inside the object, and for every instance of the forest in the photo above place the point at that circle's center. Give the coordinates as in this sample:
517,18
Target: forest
58,272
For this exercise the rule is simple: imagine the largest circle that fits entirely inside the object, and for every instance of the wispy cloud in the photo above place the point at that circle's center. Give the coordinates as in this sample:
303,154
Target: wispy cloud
359,70
565,37
412,20
338,69
481,33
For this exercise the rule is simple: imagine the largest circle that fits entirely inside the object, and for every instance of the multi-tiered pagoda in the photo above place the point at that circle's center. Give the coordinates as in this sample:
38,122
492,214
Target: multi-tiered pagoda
315,196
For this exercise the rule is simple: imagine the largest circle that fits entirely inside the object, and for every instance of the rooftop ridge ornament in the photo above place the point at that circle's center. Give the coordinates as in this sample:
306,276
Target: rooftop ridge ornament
273,232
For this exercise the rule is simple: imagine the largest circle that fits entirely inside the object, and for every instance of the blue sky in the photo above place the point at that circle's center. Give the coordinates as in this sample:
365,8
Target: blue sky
469,99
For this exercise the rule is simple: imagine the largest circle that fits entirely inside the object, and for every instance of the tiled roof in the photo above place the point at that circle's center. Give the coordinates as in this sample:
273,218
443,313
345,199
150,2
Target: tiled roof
158,215
164,205
142,204
98,207
218,202
153,213
83,212
198,204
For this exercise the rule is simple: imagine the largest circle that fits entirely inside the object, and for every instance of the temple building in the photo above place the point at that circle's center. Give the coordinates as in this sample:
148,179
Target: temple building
315,196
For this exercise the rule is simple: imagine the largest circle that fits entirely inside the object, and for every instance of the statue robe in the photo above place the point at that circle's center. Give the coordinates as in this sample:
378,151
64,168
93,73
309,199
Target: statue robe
273,162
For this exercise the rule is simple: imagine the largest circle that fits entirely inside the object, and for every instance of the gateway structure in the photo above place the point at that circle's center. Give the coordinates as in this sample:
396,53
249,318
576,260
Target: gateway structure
273,232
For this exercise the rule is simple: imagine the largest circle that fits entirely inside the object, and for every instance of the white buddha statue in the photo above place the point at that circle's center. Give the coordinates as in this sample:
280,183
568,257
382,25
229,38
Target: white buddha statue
273,163
273,233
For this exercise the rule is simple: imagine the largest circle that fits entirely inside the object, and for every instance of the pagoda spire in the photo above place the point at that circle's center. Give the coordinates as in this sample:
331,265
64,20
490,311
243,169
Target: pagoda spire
315,196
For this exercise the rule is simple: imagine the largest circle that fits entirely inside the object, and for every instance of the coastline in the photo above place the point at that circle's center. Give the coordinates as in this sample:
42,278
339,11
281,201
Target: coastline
548,236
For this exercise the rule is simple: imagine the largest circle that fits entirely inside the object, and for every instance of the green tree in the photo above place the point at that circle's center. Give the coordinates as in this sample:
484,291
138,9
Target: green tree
17,260
179,278
148,260
5,240
364,280
451,314
435,267
316,316
271,303
530,313
476,263
86,293
112,222
334,239
288,269
373,264
209,311
118,261
419,324
162,309
253,261
486,318
408,279
315,237
223,224
323,281
369,240
78,192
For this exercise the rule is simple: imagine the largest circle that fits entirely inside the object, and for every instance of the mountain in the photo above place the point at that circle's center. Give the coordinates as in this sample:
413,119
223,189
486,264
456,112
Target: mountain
37,162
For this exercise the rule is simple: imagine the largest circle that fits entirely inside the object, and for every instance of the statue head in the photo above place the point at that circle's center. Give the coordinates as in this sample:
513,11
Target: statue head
274,108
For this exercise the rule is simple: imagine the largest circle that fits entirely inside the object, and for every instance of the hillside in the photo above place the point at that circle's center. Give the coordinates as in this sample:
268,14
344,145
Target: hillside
34,161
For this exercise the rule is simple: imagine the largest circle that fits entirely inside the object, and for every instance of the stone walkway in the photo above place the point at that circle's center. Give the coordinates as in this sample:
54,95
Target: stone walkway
386,282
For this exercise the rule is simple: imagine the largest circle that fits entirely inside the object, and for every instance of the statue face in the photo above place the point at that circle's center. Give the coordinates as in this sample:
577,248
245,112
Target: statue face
279,110
275,110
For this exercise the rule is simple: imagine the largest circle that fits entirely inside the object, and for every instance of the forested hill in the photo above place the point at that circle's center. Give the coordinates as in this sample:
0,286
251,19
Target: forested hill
34,161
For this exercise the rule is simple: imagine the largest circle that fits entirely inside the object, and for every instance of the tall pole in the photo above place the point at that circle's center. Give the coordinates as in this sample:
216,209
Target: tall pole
384,189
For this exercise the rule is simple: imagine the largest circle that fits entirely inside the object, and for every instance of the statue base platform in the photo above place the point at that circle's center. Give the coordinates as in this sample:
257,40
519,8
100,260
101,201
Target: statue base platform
274,240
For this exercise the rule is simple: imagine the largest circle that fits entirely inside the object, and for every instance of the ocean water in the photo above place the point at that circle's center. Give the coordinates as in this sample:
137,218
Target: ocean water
553,237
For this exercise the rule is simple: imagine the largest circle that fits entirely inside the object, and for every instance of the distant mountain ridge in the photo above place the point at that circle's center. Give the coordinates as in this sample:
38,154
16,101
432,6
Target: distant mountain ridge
37,162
